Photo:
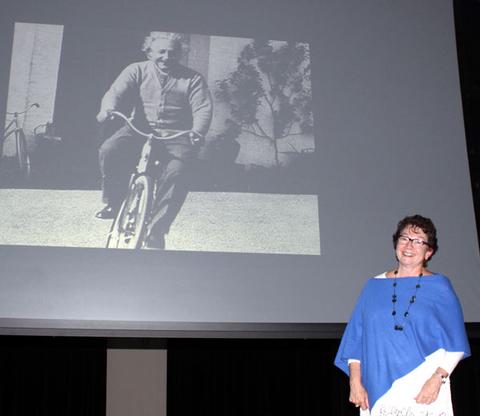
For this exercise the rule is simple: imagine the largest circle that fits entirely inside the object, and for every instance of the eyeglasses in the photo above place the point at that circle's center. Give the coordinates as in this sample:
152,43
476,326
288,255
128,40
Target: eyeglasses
416,242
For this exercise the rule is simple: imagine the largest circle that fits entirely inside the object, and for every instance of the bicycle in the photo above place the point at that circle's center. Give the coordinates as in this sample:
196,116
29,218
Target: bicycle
14,127
129,227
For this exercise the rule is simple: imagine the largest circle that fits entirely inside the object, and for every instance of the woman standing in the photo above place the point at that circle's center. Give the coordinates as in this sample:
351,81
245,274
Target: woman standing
406,333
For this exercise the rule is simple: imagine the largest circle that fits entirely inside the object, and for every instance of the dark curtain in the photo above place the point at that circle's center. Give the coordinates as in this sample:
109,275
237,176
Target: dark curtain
466,383
52,376
467,31
272,377
255,377
42,376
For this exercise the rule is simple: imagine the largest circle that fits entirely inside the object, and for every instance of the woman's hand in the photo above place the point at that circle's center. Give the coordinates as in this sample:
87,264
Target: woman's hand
429,392
358,393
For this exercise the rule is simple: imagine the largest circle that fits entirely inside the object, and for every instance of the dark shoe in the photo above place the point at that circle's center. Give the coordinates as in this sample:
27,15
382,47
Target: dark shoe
155,242
107,213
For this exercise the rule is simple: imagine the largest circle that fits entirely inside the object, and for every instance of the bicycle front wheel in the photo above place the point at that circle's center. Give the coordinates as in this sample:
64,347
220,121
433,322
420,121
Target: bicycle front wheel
23,158
129,227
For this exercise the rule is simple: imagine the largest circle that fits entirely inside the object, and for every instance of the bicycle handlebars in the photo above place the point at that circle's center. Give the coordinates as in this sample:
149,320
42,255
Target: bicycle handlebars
16,113
128,120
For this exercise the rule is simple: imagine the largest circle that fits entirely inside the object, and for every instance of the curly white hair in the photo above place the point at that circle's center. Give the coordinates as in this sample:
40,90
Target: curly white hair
178,39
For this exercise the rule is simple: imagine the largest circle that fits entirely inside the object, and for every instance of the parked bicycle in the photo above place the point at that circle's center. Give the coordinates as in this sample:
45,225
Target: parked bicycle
129,227
15,128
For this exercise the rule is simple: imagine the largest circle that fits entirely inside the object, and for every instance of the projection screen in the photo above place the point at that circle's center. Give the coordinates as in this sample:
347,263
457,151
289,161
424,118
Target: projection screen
321,124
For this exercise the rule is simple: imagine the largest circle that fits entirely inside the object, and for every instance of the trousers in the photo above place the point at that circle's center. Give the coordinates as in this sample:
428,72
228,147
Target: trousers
118,156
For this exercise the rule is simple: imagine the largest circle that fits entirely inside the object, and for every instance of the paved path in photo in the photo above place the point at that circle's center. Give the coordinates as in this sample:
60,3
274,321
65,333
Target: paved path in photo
208,221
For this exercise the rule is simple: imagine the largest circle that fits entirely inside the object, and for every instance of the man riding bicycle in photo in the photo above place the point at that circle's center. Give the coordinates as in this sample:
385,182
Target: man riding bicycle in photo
164,96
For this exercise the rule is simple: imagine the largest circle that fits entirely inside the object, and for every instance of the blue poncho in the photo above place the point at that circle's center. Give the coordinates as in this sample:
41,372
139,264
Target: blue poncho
435,321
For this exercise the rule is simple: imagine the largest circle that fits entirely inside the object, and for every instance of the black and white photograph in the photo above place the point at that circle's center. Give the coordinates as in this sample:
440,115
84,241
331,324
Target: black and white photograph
157,140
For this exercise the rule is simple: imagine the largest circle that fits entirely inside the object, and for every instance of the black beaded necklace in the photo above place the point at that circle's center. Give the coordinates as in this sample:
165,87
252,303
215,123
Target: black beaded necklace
397,326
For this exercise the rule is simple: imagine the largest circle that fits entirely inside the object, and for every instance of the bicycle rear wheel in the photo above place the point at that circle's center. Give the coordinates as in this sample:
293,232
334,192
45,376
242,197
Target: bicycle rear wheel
23,158
129,227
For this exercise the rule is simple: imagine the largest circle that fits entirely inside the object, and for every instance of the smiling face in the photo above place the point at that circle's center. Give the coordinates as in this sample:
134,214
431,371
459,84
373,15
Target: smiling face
412,248
165,53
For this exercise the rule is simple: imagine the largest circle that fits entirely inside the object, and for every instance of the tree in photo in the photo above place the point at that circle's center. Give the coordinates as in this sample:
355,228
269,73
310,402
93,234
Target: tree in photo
269,95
